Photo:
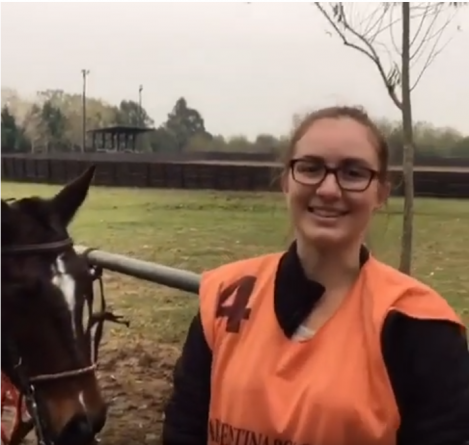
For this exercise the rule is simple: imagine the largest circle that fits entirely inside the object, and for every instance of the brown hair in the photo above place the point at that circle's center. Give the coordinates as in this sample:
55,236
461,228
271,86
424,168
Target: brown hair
359,115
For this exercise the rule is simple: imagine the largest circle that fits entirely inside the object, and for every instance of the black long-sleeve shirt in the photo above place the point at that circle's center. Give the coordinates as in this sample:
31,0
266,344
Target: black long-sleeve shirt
427,363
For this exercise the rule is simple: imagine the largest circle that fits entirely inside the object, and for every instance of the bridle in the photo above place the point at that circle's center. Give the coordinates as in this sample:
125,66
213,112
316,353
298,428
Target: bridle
26,384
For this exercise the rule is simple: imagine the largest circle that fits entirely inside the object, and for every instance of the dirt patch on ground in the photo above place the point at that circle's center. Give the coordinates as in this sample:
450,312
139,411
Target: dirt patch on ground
136,380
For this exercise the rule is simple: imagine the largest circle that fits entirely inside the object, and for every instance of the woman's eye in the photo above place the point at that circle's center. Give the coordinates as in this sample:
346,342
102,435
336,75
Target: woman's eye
310,168
355,172
352,172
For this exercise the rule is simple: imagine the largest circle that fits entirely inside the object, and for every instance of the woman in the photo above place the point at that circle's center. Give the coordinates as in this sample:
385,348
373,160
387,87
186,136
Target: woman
323,344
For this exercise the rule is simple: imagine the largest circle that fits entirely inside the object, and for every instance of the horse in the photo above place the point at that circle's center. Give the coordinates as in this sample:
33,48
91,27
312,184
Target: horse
50,331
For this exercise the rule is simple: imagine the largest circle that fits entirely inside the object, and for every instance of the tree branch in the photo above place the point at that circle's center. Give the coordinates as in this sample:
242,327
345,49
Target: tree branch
425,43
393,40
428,37
392,78
424,40
423,18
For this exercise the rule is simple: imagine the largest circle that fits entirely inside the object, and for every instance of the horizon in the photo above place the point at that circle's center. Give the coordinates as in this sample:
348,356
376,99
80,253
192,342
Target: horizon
259,73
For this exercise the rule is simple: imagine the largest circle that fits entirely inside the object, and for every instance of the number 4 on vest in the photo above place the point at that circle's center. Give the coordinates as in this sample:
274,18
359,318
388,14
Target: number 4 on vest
233,300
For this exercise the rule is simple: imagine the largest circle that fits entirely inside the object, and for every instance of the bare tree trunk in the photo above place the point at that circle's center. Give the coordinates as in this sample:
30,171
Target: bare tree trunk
408,154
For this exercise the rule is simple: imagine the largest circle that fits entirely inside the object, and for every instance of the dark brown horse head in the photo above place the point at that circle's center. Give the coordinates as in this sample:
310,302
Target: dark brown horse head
47,348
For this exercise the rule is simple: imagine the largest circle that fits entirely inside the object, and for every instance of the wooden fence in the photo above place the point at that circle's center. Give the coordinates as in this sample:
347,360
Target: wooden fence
138,171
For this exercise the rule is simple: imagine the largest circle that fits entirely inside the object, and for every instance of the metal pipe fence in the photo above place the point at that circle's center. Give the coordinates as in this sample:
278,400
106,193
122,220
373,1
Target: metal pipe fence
144,270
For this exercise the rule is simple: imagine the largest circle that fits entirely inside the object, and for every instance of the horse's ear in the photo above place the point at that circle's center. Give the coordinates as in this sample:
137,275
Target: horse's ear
71,197
6,212
5,209
6,220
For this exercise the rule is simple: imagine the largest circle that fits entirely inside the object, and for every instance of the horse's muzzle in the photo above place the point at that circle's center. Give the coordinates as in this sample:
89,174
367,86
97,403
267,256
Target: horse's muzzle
81,429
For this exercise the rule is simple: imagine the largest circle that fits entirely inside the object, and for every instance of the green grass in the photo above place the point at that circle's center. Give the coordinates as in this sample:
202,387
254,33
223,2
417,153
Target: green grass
198,230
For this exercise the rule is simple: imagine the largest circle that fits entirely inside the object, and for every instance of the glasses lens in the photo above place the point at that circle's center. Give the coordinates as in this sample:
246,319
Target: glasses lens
308,172
349,177
354,177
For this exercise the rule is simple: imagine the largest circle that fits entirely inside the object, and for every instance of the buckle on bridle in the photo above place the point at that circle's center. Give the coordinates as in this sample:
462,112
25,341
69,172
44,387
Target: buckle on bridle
96,272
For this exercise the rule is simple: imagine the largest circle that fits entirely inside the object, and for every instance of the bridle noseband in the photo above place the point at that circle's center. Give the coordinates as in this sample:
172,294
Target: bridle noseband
38,248
25,383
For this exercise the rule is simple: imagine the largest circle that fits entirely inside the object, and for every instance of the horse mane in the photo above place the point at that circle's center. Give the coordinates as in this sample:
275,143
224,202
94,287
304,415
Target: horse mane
39,212
38,208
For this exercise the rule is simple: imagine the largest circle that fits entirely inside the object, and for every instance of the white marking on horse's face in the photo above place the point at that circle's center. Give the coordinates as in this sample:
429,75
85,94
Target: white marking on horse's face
81,399
66,284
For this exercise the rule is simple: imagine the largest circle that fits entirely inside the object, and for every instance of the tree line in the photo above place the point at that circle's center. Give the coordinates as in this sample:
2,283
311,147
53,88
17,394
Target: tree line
419,27
53,122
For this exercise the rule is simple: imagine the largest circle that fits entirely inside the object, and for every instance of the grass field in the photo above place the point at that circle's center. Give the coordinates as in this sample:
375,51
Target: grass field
197,230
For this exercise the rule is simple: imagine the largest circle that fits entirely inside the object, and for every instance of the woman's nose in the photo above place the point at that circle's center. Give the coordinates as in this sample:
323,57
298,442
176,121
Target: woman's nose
329,187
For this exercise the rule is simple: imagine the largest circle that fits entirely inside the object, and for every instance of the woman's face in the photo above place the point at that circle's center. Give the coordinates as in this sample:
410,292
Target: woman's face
326,210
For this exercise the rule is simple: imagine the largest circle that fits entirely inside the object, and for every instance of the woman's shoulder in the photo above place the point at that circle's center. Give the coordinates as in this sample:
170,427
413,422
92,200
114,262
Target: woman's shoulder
247,266
409,295
393,276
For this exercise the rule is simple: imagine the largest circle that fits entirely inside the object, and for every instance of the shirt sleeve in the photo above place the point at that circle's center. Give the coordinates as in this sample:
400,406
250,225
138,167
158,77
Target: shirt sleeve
428,365
186,413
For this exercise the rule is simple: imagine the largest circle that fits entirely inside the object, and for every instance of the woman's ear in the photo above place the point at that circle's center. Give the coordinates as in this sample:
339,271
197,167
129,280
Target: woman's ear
284,181
384,191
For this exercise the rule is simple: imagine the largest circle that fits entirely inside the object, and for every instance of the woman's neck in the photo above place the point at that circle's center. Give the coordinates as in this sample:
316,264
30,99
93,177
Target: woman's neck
331,268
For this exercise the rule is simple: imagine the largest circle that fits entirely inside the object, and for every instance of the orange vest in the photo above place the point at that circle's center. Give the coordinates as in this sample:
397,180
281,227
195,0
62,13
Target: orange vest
332,389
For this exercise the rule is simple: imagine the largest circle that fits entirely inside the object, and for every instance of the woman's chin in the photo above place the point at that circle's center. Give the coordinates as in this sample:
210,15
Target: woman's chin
323,237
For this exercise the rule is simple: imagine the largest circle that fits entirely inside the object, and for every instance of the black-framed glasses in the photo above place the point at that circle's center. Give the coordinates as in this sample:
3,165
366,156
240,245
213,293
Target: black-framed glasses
350,177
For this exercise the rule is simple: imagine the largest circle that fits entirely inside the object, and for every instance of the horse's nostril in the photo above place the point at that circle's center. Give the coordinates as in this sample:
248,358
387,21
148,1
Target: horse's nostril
78,431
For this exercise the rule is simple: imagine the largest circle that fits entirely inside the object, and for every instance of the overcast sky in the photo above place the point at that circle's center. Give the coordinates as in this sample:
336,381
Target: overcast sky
246,68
